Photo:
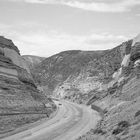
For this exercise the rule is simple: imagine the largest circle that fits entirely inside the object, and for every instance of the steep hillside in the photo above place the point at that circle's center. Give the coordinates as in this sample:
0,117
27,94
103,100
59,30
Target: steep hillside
33,60
59,67
108,81
119,104
20,101
77,70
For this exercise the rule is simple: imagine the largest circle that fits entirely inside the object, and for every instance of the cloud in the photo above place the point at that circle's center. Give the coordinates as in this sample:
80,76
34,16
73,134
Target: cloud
121,6
138,15
46,44
96,6
34,40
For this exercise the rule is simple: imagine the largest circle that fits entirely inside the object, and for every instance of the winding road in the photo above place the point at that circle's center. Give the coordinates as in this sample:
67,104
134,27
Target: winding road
70,122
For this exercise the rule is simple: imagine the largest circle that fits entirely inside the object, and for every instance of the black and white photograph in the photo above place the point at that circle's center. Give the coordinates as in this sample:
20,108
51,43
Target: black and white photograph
69,69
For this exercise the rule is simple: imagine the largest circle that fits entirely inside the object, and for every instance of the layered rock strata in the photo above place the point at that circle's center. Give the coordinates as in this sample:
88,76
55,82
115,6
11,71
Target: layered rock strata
20,101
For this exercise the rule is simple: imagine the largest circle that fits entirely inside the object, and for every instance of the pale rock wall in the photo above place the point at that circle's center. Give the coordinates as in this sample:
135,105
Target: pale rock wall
16,58
85,87
127,49
110,84
117,74
126,61
136,39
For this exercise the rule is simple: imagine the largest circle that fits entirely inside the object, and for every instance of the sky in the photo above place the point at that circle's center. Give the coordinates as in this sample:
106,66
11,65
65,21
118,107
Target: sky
47,27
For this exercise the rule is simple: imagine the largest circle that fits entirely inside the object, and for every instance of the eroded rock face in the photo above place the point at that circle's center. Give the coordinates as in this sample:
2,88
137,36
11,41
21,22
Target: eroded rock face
84,72
80,71
12,63
121,102
19,97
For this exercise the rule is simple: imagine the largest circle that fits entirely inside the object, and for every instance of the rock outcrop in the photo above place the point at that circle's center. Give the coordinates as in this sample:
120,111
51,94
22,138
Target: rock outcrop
121,100
20,101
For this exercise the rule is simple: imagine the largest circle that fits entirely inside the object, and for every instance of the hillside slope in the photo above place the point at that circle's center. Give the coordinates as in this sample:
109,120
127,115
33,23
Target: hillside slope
33,60
20,101
119,104
77,70
108,81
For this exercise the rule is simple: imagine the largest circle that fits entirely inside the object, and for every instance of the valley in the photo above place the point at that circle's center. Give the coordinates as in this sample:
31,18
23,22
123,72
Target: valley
69,69
73,95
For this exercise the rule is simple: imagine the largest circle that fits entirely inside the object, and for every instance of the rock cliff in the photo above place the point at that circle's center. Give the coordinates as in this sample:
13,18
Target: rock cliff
20,101
119,104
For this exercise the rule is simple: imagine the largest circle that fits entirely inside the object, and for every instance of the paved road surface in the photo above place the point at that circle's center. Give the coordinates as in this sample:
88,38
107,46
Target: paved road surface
70,122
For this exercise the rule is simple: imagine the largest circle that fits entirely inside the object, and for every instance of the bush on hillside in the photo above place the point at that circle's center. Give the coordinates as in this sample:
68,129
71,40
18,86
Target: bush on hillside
122,126
99,132
137,71
137,113
92,100
113,89
128,47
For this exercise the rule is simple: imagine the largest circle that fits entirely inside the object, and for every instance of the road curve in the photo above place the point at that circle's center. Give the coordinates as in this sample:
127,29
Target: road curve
69,123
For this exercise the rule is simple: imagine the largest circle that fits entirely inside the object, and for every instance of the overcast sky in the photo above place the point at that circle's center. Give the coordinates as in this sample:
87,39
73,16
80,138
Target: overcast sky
46,27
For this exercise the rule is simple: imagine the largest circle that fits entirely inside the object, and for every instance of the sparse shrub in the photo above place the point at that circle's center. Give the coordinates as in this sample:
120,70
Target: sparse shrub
126,71
93,73
118,138
105,111
123,125
4,88
113,89
99,131
117,131
125,132
98,109
137,113
80,102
